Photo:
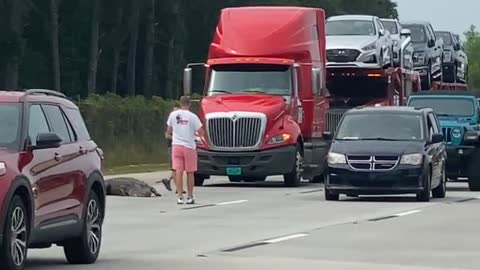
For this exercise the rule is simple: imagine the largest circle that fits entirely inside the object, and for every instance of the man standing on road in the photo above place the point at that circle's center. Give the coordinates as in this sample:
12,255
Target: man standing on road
183,126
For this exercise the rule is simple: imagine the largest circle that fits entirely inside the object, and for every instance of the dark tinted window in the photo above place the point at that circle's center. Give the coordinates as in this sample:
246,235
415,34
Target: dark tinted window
390,26
419,34
364,126
57,121
350,28
78,123
37,123
447,38
10,125
446,107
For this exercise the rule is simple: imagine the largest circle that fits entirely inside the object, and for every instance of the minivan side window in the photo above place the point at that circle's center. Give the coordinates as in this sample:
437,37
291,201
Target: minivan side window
78,123
58,123
37,123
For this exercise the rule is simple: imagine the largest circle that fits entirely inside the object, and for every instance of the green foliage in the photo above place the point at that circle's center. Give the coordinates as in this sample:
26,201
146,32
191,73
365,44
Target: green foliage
472,48
130,130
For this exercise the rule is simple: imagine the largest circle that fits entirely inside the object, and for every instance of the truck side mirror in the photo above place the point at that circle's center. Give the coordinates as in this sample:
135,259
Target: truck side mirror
437,138
431,43
187,81
456,47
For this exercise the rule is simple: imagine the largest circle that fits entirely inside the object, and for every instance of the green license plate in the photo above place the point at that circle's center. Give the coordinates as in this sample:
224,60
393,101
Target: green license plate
234,171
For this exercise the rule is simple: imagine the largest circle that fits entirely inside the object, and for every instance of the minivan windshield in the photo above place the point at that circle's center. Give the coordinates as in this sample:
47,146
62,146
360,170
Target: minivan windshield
445,107
350,28
251,78
418,33
10,125
391,26
379,126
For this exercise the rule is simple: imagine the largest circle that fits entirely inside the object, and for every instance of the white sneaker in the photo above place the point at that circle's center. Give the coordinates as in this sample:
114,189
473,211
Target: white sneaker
180,200
190,200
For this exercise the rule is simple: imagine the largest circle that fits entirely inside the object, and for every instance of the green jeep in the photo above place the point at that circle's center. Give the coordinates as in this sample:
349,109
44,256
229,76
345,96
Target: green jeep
459,116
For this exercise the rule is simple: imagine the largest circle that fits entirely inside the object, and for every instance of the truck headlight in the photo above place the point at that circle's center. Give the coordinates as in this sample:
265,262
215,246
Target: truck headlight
3,168
412,159
456,133
419,57
335,158
279,139
370,47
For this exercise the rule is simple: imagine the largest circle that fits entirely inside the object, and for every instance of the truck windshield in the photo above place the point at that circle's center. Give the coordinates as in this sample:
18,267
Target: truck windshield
10,127
391,26
251,78
418,33
373,126
445,107
350,28
447,39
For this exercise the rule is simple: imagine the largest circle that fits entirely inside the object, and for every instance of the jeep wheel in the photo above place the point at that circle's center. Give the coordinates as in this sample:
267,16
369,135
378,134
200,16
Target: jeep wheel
294,178
441,191
424,195
86,248
13,252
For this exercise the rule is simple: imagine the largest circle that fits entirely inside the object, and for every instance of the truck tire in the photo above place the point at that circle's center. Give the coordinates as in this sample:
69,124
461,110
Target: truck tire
16,228
424,195
199,180
294,178
237,179
441,191
86,248
473,172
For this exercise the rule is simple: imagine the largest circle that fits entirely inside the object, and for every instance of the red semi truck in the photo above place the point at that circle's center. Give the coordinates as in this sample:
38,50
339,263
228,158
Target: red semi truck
267,109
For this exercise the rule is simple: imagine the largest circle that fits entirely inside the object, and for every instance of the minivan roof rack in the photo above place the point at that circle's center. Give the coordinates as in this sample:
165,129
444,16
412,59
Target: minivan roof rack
44,92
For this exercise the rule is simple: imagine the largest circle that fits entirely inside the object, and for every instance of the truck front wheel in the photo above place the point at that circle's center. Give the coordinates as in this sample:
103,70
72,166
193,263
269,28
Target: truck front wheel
294,178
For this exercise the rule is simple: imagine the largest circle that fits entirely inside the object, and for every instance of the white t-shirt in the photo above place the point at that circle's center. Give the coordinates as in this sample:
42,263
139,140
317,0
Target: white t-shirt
184,124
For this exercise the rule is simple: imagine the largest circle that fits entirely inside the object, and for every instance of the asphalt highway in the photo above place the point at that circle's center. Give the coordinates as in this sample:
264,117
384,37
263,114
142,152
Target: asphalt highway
263,225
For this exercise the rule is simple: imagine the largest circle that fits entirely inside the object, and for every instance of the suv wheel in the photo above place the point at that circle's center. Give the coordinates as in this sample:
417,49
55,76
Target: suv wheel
424,195
13,252
294,178
86,248
441,191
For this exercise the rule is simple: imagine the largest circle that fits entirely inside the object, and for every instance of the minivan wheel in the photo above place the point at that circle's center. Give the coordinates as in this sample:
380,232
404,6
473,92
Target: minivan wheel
86,248
441,191
294,178
13,252
424,195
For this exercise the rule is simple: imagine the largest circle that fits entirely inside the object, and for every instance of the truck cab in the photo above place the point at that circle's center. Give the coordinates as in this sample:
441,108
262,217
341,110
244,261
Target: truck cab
264,95
459,116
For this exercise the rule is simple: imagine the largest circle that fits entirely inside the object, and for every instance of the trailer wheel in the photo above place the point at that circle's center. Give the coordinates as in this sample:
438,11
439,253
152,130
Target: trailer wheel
294,178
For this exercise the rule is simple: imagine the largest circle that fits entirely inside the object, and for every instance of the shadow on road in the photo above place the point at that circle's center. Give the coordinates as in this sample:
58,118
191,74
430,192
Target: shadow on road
266,184
38,263
458,188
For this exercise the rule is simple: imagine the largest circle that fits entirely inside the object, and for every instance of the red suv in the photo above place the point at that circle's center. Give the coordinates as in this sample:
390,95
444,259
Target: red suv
51,183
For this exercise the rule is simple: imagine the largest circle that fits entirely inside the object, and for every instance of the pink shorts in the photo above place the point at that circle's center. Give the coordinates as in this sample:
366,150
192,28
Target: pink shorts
184,158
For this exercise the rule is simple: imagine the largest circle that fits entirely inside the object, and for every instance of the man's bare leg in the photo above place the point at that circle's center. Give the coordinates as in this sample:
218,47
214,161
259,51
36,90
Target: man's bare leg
190,183
179,182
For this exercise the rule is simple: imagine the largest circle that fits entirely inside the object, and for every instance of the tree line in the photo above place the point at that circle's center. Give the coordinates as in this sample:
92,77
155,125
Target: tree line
125,47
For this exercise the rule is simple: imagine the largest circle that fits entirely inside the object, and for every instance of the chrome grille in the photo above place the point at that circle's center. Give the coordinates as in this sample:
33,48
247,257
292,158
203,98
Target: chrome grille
333,118
235,131
342,55
372,163
447,133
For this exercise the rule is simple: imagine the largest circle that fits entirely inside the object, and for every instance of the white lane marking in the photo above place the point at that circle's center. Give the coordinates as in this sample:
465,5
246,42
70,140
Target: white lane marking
232,202
407,213
285,238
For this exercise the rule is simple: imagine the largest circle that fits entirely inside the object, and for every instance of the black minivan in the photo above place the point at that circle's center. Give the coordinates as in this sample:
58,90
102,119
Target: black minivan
385,151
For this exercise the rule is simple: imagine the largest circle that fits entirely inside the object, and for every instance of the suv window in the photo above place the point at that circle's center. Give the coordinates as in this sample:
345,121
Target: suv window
10,128
57,120
37,123
78,123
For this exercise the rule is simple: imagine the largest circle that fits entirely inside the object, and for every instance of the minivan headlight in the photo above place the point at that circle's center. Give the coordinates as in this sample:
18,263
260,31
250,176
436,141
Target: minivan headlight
412,159
335,158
